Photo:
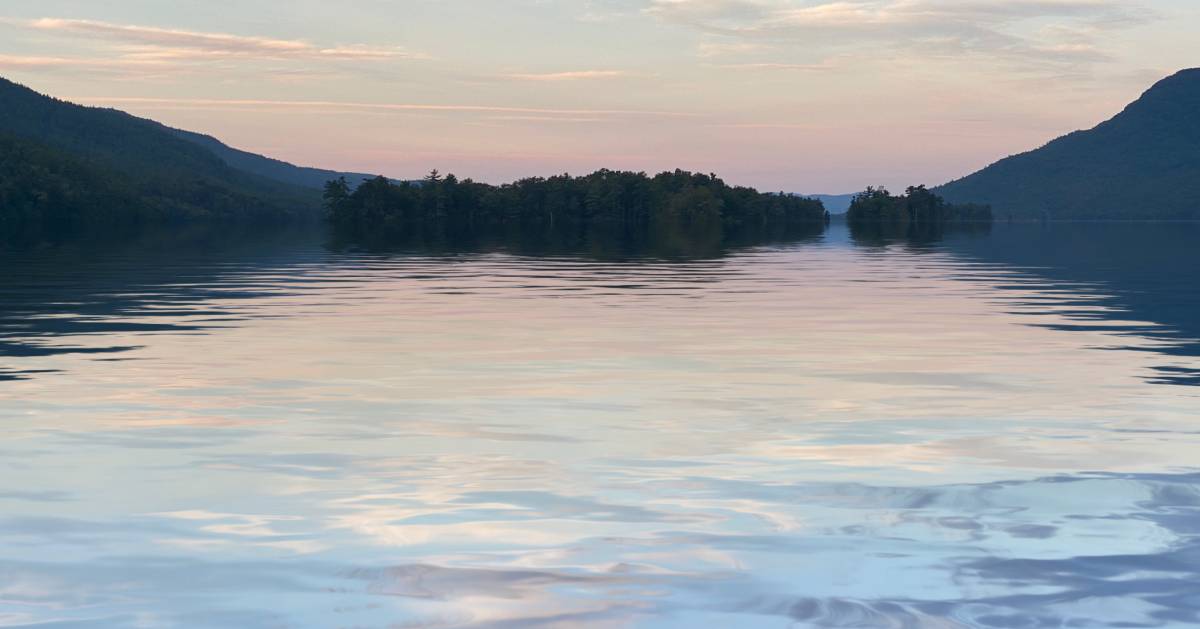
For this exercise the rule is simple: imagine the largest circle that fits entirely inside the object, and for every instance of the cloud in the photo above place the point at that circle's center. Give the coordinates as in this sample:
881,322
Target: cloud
1002,29
1071,52
40,62
163,44
610,10
722,49
35,62
800,67
540,119
575,75
765,16
394,107
172,37
770,126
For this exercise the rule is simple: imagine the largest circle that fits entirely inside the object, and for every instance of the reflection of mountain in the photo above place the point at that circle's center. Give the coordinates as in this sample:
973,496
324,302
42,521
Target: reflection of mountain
1136,267
1119,272
68,300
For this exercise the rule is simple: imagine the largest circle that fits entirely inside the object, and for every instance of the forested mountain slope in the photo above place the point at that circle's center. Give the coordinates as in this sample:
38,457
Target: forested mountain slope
168,176
1142,164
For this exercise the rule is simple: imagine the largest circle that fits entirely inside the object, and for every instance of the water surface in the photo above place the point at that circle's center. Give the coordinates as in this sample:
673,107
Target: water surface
989,429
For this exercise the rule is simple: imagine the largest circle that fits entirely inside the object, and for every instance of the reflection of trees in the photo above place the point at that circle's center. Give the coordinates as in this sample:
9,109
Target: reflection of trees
917,235
658,239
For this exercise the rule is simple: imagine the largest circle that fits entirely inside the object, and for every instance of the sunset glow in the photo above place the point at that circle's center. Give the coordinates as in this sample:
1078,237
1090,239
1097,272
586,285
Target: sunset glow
795,95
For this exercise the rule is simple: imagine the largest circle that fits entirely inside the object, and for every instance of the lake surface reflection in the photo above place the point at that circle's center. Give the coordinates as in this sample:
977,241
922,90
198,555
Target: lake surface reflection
991,429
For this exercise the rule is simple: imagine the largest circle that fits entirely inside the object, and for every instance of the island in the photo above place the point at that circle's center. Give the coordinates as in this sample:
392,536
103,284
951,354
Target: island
916,205
676,202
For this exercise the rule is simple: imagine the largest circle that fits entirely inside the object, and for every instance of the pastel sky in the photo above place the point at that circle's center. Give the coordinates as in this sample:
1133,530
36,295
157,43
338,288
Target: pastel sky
797,95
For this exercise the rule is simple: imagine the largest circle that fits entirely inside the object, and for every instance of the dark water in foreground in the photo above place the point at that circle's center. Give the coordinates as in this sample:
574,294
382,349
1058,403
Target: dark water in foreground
997,429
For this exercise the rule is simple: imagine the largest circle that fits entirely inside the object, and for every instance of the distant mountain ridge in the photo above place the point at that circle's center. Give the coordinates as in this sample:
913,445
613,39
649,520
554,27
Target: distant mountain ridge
144,149
170,175
1143,163
835,203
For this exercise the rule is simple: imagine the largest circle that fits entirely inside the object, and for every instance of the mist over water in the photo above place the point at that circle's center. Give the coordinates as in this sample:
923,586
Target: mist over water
992,428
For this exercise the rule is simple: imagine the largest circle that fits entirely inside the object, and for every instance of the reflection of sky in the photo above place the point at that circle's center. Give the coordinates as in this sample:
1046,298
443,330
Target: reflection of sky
834,436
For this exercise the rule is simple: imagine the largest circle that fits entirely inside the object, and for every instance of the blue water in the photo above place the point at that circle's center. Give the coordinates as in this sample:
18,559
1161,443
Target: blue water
989,429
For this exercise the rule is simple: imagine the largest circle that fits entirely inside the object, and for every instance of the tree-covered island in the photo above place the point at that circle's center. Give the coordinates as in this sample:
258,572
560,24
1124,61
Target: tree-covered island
917,205
605,199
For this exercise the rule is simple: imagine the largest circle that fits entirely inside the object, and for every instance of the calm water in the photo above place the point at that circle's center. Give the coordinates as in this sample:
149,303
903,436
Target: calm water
987,430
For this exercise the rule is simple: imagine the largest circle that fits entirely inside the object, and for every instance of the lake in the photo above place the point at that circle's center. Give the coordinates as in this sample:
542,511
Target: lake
993,428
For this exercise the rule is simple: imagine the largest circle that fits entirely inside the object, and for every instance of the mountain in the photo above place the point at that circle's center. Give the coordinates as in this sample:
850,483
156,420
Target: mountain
1142,164
314,178
46,192
168,175
66,167
178,175
835,203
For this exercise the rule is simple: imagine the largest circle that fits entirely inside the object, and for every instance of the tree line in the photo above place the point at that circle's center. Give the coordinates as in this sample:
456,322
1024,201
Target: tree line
916,205
606,200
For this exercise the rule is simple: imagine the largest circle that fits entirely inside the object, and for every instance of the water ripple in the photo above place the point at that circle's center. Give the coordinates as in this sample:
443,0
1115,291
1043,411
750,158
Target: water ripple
826,433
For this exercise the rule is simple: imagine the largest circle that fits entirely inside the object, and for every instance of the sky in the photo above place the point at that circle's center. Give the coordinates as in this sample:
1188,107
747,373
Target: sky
806,96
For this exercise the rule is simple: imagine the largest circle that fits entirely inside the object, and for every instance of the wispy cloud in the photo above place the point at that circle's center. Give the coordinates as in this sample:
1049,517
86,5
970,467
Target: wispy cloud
34,61
610,10
172,37
727,48
395,107
46,62
575,75
164,44
770,126
1001,29
766,16
790,67
540,119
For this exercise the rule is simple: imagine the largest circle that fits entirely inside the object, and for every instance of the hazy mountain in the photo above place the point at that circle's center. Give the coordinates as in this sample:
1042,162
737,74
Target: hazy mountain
835,203
1143,163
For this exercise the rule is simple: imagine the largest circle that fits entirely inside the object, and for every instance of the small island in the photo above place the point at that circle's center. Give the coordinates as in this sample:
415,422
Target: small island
917,205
